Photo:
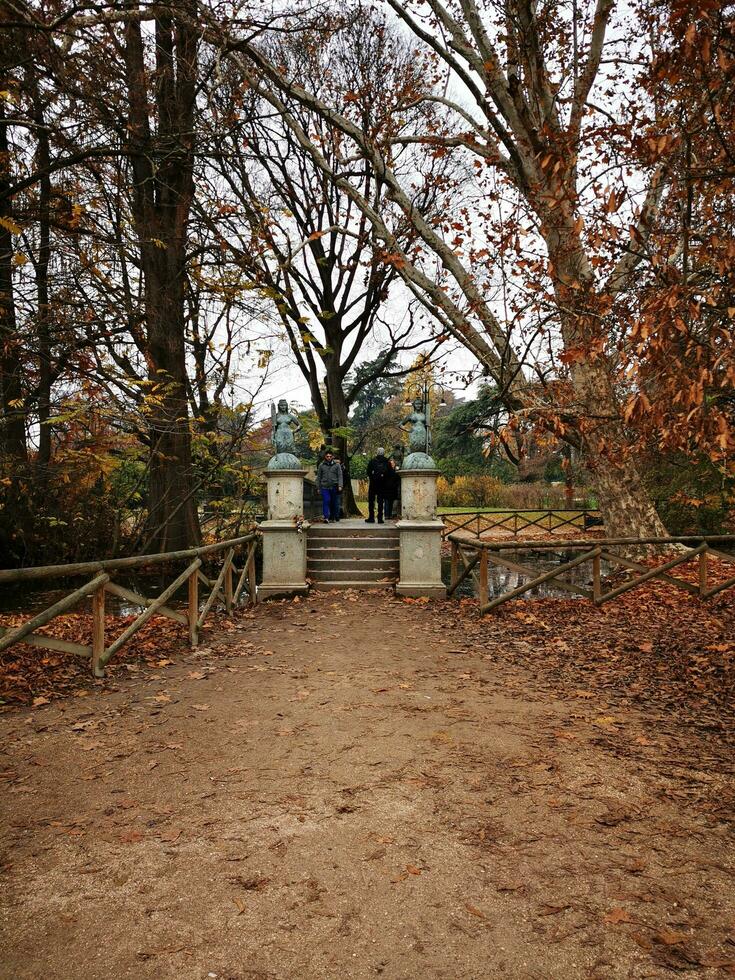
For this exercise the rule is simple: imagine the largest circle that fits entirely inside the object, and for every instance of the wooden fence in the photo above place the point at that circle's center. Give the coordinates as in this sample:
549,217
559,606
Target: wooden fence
229,585
474,557
477,523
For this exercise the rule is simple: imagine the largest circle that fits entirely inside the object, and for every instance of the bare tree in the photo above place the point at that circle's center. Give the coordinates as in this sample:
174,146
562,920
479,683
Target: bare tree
303,242
523,111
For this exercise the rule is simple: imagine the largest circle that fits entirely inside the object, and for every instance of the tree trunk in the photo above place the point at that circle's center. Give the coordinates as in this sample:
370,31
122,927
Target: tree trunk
173,520
625,504
162,196
44,308
337,412
13,429
624,501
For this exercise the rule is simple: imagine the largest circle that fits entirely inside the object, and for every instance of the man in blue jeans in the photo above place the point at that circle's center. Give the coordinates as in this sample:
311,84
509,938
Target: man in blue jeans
329,484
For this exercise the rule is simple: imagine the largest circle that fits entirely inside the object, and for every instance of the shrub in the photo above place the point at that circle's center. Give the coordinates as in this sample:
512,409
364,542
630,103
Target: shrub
470,491
488,491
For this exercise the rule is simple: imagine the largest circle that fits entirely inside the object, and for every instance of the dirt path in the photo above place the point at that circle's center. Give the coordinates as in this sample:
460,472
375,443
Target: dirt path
334,789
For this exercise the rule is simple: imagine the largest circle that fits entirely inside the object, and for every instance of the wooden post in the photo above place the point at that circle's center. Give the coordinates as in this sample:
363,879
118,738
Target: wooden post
228,583
17,634
703,572
482,585
193,614
515,524
596,582
252,584
455,563
98,631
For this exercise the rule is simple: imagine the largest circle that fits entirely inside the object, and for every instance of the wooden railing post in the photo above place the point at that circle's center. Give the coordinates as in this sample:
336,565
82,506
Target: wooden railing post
482,581
193,614
596,579
228,582
252,583
703,571
515,524
98,631
455,564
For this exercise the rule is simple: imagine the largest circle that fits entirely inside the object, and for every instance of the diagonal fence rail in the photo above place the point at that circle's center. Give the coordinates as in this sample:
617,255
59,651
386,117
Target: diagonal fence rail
477,523
230,585
473,558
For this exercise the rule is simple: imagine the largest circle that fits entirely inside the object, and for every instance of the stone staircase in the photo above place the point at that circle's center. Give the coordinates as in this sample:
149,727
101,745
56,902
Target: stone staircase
352,555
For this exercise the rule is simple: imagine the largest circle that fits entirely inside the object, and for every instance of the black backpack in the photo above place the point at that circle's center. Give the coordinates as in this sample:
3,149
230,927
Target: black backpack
380,468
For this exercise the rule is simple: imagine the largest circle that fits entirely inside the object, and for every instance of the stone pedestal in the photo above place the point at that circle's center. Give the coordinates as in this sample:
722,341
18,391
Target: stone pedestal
421,535
284,535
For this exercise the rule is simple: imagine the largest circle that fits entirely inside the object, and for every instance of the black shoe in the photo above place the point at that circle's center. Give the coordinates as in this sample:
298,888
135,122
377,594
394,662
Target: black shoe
369,520
381,522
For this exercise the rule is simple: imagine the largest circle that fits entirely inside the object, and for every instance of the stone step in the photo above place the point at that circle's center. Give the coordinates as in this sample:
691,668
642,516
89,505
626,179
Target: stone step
353,575
358,565
341,550
328,586
336,531
358,541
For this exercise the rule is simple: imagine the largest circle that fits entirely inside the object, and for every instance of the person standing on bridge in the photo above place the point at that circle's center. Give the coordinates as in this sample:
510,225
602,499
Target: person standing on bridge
378,470
392,489
329,483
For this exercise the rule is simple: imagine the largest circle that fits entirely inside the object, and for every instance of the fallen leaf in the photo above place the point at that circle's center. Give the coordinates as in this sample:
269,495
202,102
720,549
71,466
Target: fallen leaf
616,916
604,720
670,937
170,836
131,837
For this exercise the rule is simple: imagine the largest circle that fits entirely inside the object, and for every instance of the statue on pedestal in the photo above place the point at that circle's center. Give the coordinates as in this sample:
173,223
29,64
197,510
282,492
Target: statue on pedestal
417,426
419,437
285,426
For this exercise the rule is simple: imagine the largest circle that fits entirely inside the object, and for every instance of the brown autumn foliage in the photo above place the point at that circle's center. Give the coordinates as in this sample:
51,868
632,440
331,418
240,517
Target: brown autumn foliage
679,347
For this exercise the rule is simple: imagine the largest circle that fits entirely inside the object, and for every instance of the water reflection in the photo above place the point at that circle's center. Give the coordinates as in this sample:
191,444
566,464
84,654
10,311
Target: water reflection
32,597
502,580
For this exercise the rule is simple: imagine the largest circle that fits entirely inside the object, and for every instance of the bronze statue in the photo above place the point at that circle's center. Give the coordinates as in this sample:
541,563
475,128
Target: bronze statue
285,426
417,426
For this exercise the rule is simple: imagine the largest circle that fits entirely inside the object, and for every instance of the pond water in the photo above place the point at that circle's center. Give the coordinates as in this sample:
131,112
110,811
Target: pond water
501,580
32,597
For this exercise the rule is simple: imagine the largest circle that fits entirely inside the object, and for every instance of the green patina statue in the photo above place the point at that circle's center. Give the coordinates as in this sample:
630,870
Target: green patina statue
417,426
285,426
419,437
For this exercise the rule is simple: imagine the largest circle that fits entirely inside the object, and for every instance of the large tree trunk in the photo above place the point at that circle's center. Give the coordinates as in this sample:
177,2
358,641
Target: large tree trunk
336,418
625,503
163,189
13,429
44,306
173,521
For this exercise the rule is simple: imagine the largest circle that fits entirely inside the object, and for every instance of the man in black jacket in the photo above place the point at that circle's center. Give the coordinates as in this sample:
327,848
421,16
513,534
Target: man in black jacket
378,475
